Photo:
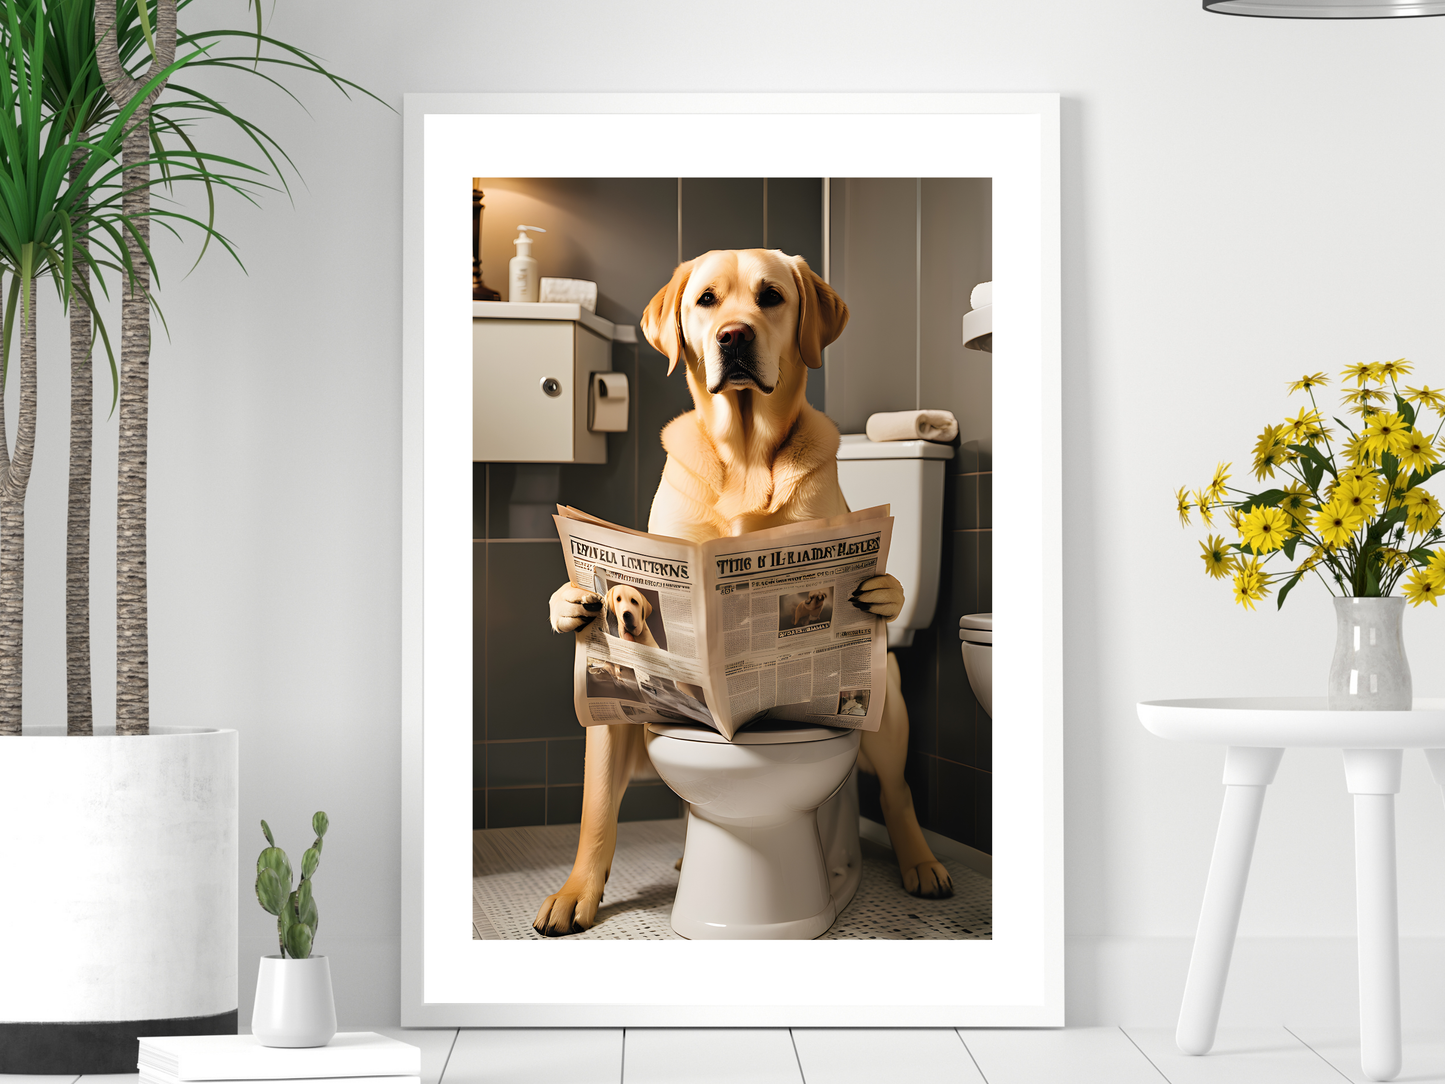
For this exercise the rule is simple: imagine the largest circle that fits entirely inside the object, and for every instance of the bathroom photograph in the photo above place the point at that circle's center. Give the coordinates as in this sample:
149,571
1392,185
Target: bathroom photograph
587,297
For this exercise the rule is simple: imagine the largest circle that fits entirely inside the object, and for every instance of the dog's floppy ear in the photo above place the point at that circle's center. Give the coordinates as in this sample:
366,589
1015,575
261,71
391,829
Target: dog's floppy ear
662,322
646,608
822,315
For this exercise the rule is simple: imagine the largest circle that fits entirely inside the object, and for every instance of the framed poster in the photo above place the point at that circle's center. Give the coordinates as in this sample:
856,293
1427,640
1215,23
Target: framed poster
455,972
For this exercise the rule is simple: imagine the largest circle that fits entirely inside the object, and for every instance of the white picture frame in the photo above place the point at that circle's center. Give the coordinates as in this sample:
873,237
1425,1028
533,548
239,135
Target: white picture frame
448,979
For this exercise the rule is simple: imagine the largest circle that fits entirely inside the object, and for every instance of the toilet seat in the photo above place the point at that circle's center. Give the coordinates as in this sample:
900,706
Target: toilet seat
762,732
976,629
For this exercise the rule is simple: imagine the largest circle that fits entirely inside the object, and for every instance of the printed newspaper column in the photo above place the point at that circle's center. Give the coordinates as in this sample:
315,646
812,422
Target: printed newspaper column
733,629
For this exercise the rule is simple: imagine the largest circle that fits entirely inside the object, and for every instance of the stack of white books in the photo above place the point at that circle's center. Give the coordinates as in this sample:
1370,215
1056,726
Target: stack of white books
352,1057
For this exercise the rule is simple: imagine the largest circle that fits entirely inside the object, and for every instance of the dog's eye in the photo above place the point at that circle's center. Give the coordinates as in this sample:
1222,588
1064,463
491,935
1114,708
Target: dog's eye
770,297
707,299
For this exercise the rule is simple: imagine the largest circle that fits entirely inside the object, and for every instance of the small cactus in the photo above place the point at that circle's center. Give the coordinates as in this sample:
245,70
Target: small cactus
295,911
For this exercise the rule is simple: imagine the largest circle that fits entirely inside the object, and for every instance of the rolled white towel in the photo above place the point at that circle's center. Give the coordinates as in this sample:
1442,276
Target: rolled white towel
939,425
573,291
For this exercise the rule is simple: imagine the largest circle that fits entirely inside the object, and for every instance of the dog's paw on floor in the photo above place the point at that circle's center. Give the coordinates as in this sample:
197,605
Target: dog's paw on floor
928,880
572,909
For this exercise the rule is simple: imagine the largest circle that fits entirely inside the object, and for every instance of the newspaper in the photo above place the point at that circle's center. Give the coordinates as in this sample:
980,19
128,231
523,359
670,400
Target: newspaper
733,629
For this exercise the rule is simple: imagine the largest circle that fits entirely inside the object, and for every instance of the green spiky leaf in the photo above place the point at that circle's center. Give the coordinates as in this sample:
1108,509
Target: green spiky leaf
275,858
298,940
270,892
266,831
306,905
319,823
309,861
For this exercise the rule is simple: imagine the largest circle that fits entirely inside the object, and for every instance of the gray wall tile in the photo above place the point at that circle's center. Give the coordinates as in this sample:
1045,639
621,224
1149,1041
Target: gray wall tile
795,225
564,805
479,643
874,267
565,758
514,808
723,212
649,802
517,764
529,691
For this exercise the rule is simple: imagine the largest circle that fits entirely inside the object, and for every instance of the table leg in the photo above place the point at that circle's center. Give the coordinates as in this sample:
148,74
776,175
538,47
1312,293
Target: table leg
1247,772
1373,777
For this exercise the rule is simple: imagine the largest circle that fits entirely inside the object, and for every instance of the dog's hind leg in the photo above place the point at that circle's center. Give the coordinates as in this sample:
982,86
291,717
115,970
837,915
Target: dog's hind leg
613,751
884,752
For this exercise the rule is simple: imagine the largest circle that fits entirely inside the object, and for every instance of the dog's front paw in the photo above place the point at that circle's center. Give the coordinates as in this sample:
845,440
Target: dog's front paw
881,595
571,909
929,880
571,607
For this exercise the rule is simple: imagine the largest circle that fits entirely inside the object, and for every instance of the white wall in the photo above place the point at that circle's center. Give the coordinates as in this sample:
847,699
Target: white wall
1244,201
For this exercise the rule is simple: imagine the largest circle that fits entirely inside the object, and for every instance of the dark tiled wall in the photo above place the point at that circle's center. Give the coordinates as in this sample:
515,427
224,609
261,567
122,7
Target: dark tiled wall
905,256
627,235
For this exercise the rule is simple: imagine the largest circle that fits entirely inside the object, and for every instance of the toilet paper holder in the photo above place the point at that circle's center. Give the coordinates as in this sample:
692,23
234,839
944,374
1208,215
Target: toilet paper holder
607,403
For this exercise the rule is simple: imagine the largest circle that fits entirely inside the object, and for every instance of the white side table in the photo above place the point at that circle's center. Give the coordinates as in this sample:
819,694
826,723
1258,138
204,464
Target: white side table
1257,731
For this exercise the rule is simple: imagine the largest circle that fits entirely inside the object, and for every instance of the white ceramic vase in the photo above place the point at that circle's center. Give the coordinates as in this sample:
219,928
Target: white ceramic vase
294,1003
119,915
1369,671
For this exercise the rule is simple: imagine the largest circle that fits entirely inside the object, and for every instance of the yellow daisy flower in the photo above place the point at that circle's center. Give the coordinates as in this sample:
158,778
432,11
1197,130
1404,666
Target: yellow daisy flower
1426,396
1216,484
1182,497
1309,382
1385,433
1250,583
1354,450
1418,452
1201,501
1264,529
1296,502
1235,517
1393,370
1218,561
1360,494
1307,428
1316,555
1270,451
1437,564
1362,371
1422,586
1423,515
1366,411
1337,522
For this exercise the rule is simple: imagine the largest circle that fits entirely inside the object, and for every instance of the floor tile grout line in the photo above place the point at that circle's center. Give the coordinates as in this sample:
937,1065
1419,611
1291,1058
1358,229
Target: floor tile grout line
443,1074
981,1074
1145,1056
802,1076
1315,1052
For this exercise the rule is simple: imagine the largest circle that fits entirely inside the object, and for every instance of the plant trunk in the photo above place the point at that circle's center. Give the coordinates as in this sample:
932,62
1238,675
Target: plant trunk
13,484
132,659
132,672
79,714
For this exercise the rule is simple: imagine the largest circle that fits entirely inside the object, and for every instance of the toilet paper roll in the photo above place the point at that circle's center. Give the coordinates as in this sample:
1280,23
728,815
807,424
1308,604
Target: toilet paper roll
572,291
939,425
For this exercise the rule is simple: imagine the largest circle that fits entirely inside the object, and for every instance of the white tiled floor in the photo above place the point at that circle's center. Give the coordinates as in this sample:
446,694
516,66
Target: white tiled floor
1273,1055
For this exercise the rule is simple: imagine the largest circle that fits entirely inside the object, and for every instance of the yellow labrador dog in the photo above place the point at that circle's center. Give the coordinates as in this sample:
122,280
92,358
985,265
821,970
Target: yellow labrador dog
747,325
631,609
809,609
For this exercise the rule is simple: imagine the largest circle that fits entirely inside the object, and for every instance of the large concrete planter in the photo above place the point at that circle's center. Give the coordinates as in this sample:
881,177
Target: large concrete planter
119,915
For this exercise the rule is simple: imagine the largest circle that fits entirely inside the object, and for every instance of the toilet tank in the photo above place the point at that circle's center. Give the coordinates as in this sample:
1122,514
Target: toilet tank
908,475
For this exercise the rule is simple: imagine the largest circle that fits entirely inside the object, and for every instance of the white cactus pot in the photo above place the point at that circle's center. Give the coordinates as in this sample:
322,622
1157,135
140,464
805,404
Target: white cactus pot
122,857
294,1004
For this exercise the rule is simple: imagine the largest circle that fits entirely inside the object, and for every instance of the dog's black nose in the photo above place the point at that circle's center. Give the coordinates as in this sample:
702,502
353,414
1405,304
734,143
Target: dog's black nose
734,335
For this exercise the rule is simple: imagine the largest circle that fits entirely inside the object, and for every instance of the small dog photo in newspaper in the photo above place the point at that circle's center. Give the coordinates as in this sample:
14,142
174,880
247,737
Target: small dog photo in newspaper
633,614
806,609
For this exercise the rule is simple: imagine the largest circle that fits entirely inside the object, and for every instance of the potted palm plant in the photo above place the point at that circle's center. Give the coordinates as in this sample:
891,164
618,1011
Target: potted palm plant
132,833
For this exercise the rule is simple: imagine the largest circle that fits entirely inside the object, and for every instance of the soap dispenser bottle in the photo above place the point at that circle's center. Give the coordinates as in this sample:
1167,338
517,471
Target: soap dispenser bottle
522,282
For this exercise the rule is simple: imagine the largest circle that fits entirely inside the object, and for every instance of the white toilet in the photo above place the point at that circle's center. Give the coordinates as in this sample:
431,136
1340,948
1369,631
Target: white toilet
754,865
772,838
976,632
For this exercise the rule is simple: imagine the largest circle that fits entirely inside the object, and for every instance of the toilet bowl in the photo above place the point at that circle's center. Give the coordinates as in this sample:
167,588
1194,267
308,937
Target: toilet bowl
755,865
976,632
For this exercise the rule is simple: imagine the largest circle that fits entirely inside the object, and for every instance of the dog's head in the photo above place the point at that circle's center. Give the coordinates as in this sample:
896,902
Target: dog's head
632,609
743,317
816,599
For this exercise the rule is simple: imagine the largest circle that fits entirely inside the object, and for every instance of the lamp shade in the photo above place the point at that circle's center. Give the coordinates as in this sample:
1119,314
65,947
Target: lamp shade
1327,9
